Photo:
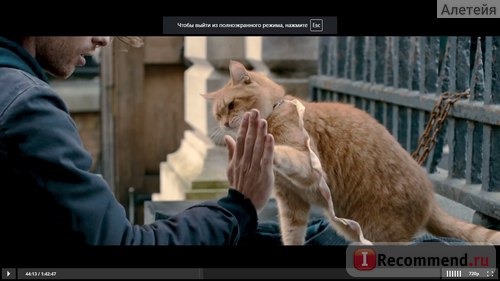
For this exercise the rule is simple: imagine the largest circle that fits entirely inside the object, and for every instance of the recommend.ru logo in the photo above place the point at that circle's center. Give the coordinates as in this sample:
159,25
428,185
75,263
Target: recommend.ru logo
365,259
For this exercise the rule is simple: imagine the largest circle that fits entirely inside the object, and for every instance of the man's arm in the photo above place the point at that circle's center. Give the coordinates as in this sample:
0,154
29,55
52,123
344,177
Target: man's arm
48,146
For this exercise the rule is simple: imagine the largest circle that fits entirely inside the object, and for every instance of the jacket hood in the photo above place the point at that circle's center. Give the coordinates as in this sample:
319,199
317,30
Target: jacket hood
15,56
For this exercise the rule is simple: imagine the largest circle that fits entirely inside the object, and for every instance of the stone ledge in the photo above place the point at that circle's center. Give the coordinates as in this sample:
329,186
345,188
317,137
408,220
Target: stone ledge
469,195
206,194
82,95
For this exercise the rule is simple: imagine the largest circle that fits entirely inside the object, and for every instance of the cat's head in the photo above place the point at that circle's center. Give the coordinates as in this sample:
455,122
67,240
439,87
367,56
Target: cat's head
244,91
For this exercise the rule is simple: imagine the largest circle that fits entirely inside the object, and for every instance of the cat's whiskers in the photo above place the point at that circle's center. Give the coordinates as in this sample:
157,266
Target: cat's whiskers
218,133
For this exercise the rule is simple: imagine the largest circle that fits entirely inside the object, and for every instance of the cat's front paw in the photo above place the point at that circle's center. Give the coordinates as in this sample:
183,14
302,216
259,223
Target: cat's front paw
365,241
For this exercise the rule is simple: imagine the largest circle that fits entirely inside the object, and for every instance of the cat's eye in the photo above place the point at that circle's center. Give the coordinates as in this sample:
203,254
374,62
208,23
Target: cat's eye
230,106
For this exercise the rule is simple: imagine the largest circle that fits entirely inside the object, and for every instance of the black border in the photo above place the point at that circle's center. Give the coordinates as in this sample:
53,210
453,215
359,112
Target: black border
175,257
355,17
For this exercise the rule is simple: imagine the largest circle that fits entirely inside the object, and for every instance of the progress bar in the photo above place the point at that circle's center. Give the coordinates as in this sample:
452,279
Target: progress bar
174,273
237,273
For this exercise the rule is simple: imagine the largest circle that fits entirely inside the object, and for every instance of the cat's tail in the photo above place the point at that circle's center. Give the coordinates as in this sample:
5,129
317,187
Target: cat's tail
442,224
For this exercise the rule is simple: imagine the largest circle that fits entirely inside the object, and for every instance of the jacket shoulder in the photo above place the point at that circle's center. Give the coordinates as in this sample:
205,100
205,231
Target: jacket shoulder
15,83
19,76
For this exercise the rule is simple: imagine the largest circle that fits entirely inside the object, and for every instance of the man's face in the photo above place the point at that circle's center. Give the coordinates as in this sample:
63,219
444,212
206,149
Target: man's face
60,55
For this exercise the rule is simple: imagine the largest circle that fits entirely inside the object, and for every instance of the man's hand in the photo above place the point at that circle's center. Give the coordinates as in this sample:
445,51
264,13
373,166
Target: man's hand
250,168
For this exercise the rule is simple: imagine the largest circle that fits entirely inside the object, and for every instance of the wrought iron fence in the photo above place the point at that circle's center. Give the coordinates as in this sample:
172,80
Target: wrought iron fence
398,81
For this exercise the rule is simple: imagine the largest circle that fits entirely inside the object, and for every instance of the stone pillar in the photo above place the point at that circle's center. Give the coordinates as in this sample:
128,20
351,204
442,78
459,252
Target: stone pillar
197,170
288,60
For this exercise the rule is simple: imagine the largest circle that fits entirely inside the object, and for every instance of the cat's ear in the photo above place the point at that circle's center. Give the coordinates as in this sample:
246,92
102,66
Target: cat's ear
238,72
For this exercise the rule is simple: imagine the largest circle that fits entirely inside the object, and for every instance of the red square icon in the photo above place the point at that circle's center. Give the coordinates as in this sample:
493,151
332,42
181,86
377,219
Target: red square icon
364,259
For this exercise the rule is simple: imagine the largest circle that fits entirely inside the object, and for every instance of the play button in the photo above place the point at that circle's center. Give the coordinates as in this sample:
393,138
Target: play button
8,273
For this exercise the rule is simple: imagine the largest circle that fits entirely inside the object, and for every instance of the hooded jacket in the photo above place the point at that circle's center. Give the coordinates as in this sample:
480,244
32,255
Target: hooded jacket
52,198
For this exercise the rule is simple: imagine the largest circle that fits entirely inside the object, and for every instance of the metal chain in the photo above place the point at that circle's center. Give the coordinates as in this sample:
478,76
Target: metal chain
427,140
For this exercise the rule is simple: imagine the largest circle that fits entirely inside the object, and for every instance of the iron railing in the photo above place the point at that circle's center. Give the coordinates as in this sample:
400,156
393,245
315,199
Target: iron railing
399,79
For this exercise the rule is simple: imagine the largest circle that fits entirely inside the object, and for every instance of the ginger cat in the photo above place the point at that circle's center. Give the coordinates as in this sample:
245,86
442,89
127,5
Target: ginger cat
337,156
